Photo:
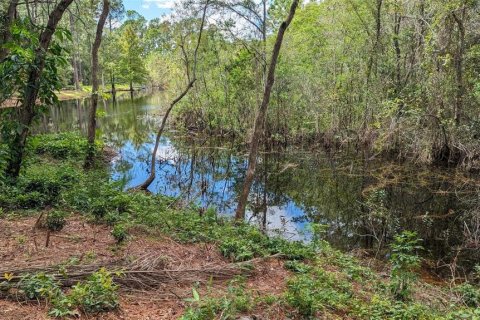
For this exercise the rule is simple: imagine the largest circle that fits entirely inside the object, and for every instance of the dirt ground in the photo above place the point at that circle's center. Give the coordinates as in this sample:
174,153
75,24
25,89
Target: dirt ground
21,246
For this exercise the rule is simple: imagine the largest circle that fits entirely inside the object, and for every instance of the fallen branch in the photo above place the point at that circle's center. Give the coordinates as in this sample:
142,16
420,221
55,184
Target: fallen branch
145,273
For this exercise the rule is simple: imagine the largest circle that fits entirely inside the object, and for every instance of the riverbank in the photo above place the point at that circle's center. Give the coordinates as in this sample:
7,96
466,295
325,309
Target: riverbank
69,94
86,91
194,264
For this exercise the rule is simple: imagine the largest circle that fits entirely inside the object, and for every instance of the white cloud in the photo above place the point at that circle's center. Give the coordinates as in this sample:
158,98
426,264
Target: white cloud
279,221
162,4
146,6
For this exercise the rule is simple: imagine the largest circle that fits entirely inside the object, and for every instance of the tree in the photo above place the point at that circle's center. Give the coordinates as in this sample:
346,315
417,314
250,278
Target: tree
29,94
132,67
260,118
7,19
191,81
75,60
92,120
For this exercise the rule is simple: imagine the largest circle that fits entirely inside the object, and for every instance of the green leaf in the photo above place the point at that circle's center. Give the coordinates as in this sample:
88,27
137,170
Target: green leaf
196,296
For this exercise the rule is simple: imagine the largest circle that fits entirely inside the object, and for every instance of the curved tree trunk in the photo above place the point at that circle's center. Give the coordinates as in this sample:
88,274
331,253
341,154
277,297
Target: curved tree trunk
92,118
262,112
151,177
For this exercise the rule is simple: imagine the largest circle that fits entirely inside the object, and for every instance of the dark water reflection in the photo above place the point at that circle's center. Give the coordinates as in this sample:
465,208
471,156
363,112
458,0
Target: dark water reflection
364,203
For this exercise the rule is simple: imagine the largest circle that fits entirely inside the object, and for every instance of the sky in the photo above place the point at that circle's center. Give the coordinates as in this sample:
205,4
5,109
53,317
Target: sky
150,9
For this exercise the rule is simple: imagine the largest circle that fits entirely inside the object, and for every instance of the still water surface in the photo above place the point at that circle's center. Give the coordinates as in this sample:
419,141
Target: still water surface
362,202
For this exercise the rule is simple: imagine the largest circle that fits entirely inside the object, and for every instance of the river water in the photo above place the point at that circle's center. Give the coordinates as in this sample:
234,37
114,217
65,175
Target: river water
362,202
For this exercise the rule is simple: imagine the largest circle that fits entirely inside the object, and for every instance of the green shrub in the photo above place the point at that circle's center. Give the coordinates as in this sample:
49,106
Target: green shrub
28,200
39,186
380,308
59,145
112,218
39,286
98,293
293,250
312,292
120,202
469,294
120,232
464,313
236,300
239,249
55,220
62,306
297,266
404,263
99,208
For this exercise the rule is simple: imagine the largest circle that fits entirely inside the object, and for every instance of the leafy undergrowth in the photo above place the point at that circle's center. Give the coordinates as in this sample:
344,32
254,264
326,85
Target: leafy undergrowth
324,283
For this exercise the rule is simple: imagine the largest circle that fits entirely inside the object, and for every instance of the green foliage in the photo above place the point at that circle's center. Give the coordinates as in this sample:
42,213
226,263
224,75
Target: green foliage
235,301
60,145
55,220
313,292
296,266
14,70
120,232
62,306
99,208
379,308
26,69
404,263
96,294
469,294
464,313
132,65
40,186
39,286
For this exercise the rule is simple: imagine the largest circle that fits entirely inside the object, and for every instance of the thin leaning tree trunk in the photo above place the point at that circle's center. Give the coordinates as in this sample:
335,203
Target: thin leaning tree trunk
260,119
151,177
92,118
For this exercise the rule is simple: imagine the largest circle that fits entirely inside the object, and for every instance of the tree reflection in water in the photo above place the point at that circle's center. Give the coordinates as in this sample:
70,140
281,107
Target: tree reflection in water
364,203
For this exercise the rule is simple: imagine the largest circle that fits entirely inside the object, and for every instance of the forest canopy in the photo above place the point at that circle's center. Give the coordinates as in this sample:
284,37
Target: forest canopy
397,76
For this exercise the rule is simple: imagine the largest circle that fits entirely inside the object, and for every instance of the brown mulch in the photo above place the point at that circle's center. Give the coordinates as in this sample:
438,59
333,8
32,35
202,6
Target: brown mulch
21,246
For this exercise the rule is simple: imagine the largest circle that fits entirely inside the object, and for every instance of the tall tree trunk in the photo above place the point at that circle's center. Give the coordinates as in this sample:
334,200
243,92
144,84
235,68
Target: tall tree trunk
458,60
151,177
6,35
80,71
27,111
398,65
92,118
372,65
373,61
114,91
76,78
396,44
260,119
